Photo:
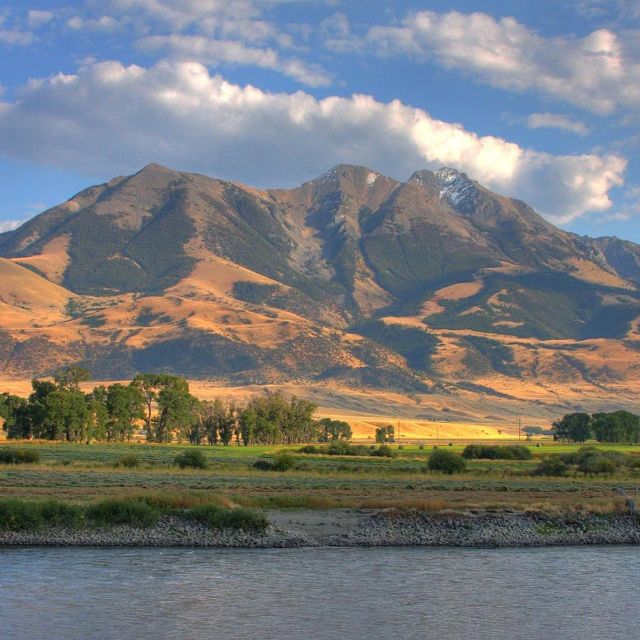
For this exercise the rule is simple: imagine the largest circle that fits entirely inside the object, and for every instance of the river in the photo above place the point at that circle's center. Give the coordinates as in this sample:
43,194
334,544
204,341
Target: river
328,593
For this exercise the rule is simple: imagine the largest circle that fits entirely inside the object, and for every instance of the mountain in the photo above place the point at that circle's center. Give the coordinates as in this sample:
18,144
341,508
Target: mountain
435,283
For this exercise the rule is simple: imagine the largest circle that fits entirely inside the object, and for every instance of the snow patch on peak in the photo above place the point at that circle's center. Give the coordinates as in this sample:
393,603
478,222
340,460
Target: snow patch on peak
456,189
446,175
372,176
328,176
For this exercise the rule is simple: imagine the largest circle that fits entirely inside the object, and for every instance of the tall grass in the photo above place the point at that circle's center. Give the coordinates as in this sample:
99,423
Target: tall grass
217,518
139,512
21,515
12,455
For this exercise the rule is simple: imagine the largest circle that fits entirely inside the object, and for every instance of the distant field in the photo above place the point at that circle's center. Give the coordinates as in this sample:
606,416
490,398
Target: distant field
83,473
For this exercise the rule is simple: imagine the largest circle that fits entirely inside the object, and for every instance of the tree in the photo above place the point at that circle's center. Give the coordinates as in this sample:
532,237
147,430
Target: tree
225,420
334,430
385,434
247,422
175,405
618,426
11,407
98,414
573,427
197,431
175,408
67,416
125,406
69,378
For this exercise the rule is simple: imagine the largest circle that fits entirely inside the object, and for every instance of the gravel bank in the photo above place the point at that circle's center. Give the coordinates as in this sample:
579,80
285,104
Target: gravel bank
385,528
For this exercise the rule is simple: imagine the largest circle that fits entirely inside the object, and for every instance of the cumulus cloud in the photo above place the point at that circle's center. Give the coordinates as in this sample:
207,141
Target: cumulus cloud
9,225
108,119
599,72
556,121
214,52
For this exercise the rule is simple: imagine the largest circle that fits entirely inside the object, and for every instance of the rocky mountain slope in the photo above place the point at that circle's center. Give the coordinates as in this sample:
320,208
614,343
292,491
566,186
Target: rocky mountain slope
434,283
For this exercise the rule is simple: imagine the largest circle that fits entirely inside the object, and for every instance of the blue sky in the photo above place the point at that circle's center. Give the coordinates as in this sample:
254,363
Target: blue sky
537,100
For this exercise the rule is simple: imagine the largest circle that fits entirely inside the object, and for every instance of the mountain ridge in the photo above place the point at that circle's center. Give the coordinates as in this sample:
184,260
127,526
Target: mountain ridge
430,283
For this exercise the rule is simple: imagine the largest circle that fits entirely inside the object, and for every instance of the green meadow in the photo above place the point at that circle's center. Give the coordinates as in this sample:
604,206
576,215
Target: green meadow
82,474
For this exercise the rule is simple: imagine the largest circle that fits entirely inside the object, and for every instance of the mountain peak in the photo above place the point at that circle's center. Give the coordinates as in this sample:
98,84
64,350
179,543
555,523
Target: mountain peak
457,189
153,169
348,172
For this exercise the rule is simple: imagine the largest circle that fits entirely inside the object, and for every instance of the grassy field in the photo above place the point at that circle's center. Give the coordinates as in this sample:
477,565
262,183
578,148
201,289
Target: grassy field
86,473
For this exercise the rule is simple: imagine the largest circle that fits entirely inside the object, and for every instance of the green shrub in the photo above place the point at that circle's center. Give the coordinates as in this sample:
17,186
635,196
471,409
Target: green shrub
263,465
596,464
219,518
338,448
283,461
11,455
446,462
551,466
129,461
383,451
122,512
193,458
310,449
496,452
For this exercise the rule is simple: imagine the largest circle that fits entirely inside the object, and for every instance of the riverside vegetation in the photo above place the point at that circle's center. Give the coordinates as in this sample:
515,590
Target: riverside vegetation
76,468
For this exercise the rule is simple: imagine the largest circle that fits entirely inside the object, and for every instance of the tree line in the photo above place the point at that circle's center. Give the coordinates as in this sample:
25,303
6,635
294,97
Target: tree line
616,426
162,406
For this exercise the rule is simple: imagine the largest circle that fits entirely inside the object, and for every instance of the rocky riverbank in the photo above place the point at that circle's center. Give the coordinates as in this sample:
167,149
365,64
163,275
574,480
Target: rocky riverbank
359,528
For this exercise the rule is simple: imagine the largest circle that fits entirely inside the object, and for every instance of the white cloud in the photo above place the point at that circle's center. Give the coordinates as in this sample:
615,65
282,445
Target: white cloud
108,119
9,225
16,37
240,19
213,52
101,23
556,121
620,9
599,72
213,32
36,18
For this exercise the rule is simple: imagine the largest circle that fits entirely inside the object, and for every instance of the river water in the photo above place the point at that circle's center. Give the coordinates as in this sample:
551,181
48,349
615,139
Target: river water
393,593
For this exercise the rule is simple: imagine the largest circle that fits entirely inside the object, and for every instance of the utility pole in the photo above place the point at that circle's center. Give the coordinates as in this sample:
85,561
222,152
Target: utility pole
519,427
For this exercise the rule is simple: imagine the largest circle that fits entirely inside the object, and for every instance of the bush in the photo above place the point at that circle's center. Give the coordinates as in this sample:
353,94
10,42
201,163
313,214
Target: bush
496,452
129,461
122,512
310,449
10,455
193,458
283,461
446,461
551,466
263,465
383,451
218,518
597,463
337,448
